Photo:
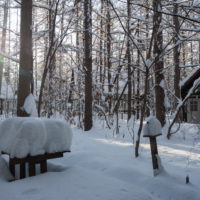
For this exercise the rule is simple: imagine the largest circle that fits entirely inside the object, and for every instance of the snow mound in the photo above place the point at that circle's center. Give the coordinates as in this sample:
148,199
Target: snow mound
59,135
21,136
152,127
30,106
4,171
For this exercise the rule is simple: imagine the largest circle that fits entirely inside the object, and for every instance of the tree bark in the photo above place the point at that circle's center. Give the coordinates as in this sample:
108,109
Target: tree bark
138,77
26,56
129,61
101,43
176,53
108,56
52,65
88,64
159,64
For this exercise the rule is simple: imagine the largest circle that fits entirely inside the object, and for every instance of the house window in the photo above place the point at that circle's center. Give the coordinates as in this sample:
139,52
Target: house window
193,105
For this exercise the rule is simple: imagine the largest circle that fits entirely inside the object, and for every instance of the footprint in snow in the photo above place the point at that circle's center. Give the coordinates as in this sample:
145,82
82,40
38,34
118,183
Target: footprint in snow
30,191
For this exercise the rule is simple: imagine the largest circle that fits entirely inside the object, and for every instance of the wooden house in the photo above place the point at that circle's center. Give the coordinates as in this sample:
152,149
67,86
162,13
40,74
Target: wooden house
191,110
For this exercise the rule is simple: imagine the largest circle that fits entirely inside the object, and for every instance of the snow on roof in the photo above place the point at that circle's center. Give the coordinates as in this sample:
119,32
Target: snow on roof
20,136
190,76
152,127
188,82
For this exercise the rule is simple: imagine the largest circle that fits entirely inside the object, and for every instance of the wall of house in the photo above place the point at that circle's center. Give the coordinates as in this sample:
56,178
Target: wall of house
193,109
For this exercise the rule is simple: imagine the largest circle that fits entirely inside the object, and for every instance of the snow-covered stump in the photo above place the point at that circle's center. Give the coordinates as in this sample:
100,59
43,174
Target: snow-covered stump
152,129
33,141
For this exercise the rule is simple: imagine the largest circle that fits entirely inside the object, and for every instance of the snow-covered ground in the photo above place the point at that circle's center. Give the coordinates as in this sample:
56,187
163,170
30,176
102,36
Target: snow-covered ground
103,167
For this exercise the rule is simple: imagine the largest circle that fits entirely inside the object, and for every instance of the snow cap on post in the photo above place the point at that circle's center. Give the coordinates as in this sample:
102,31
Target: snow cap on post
152,128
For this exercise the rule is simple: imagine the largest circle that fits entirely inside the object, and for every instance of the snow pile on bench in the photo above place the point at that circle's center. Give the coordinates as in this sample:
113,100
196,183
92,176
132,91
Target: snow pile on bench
21,136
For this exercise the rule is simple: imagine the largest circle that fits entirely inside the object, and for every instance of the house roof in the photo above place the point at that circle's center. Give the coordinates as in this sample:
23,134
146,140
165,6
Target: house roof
188,81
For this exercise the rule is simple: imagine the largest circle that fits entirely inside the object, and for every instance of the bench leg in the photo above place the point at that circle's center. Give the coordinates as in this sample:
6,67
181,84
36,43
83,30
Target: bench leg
31,168
22,170
43,166
12,167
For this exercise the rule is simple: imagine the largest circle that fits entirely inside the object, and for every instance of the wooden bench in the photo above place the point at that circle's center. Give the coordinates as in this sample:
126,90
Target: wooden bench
32,161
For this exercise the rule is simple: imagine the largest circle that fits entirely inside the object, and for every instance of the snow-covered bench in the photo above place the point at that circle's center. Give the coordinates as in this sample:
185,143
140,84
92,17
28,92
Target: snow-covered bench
33,140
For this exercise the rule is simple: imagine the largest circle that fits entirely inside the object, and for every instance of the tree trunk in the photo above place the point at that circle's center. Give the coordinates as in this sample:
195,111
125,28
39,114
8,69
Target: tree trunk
176,52
88,64
26,55
101,45
3,41
50,57
138,77
129,61
52,65
159,64
147,56
108,56
71,89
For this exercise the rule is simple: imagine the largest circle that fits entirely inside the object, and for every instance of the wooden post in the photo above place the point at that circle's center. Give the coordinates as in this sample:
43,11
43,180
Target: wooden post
22,170
43,166
153,129
154,152
31,168
12,167
187,179
32,161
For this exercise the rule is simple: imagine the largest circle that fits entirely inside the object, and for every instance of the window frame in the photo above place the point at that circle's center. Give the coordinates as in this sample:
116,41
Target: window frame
194,105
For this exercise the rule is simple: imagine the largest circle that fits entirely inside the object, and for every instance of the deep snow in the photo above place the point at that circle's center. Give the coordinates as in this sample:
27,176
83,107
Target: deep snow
101,166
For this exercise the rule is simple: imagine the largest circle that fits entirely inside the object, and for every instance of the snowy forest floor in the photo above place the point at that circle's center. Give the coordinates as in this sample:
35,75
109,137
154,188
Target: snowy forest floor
103,167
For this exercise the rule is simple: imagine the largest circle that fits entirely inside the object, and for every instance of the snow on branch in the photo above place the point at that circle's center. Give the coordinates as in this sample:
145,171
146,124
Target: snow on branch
101,109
